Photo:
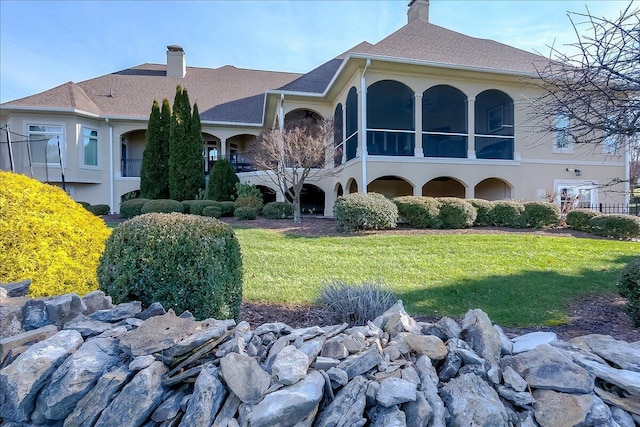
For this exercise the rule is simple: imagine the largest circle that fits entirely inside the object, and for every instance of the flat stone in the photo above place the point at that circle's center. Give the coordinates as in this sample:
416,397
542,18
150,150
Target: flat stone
290,404
507,344
10,319
312,348
335,348
387,417
472,402
244,377
418,412
119,312
626,380
196,339
169,408
555,409
155,309
17,289
531,340
276,328
22,380
141,362
395,391
358,364
35,315
137,400
19,340
620,353
512,379
63,308
4,295
338,377
480,334
94,301
630,405
208,396
520,398
429,387
227,412
623,418
87,326
156,334
325,363
290,366
428,345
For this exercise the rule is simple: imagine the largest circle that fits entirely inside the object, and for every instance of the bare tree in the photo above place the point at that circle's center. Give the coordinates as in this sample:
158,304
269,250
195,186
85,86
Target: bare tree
593,94
303,152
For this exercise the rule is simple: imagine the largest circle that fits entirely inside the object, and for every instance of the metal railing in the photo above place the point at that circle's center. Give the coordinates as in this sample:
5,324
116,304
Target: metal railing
494,147
390,143
436,144
613,208
131,167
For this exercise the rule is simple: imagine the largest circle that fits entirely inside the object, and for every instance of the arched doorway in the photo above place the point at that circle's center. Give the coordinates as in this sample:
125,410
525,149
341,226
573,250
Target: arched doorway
312,199
390,187
352,185
268,194
444,186
492,189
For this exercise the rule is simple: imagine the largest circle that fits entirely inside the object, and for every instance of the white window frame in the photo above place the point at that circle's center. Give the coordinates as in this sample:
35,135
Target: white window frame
575,186
83,138
562,131
61,135
612,149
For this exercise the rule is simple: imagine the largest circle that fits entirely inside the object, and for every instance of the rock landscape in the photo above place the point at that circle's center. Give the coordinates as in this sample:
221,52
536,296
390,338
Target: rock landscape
72,361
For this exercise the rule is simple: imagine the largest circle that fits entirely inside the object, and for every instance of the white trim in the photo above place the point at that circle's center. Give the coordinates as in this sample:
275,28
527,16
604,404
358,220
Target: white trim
50,109
573,162
81,146
63,143
442,160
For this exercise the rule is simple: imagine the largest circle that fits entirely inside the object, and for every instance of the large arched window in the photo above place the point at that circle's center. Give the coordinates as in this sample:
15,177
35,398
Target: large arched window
390,119
444,122
494,125
351,142
338,136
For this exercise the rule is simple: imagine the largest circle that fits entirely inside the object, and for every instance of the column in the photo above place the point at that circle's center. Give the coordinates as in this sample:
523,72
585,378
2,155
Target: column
223,148
418,152
471,123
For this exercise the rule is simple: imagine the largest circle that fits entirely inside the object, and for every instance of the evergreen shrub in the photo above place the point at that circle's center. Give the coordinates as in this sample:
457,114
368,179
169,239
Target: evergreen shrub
484,212
456,213
222,181
213,211
277,210
629,288
198,206
617,226
508,213
162,206
228,207
419,212
132,207
244,214
184,262
187,205
250,202
47,237
85,205
100,209
541,214
578,219
370,211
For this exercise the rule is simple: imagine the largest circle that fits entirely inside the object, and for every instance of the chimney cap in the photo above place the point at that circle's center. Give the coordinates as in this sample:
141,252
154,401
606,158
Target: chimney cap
175,48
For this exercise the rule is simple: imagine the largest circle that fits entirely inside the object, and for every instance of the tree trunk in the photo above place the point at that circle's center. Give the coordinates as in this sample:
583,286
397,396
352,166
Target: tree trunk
297,213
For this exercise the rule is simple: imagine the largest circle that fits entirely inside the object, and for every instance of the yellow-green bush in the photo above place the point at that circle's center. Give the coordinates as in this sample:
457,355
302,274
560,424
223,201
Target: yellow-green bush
47,237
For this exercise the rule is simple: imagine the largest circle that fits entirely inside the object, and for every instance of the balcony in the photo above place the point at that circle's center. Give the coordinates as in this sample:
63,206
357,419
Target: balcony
390,143
436,144
239,161
494,147
131,167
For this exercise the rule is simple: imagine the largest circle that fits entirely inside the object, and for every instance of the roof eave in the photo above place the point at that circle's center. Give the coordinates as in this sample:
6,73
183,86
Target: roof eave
49,109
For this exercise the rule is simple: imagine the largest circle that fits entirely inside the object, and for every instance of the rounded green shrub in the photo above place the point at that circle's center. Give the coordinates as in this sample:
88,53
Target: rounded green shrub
197,206
100,209
419,212
212,211
250,202
244,214
578,219
484,212
456,213
228,207
184,262
132,207
370,211
617,226
541,214
629,288
85,205
508,213
47,237
277,210
162,206
187,206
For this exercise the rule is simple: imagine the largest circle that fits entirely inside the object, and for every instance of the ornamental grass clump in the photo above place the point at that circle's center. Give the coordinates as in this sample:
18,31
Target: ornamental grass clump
370,211
629,288
184,262
47,237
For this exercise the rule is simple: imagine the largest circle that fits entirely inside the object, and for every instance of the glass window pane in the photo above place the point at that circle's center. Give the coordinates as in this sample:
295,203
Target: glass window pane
90,147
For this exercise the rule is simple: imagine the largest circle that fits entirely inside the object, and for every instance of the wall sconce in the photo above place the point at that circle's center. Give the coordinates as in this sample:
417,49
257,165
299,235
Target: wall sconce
578,172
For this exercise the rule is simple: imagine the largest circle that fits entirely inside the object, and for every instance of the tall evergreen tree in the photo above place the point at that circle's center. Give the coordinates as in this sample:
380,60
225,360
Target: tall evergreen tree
154,174
195,177
222,181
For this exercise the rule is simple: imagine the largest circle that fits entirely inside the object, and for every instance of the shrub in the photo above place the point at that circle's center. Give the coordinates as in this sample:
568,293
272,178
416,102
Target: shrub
354,304
456,213
184,262
629,288
244,214
250,202
508,213
85,205
541,214
371,211
228,208
222,181
212,211
484,212
617,226
187,205
248,190
277,210
162,206
100,209
47,237
578,219
132,207
197,206
419,212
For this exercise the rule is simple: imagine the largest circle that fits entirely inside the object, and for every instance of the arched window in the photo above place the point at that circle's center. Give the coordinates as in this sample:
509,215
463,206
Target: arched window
444,122
494,125
351,142
390,119
338,137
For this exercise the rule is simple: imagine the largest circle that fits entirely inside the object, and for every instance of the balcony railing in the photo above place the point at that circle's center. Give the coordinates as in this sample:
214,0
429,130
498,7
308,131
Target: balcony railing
390,143
435,144
494,147
352,146
240,162
131,167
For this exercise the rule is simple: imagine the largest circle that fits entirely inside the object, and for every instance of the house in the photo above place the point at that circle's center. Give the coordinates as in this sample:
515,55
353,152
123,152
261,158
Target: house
425,111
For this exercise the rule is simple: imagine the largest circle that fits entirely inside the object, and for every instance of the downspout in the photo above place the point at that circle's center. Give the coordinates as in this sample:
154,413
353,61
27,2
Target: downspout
363,92
283,190
111,178
627,173
281,113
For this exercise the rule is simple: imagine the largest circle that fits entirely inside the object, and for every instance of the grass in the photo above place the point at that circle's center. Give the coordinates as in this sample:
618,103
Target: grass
518,279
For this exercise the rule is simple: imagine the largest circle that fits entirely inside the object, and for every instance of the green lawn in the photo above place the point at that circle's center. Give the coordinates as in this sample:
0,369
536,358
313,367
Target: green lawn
518,279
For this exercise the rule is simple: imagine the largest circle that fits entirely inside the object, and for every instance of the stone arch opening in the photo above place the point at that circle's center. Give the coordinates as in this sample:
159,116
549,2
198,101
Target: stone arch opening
492,189
390,186
444,186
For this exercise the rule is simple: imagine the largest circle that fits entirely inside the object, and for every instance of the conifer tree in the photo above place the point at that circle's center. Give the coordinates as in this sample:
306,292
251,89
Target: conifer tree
154,174
222,181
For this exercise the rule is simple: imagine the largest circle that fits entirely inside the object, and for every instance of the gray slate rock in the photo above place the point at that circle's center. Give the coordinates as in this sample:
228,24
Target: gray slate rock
290,366
141,362
21,381
208,396
472,402
556,409
137,400
119,312
418,412
524,399
63,308
290,404
531,340
13,342
157,334
244,377
429,387
626,380
358,364
87,326
35,315
620,353
623,418
335,348
169,408
387,417
228,410
94,301
513,380
17,289
155,309
395,391
325,363
480,334
10,320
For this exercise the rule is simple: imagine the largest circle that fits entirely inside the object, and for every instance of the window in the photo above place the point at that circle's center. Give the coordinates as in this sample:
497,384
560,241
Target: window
47,143
90,146
611,145
562,143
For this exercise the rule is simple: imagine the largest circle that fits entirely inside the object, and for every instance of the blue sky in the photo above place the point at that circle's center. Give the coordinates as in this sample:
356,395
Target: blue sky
46,43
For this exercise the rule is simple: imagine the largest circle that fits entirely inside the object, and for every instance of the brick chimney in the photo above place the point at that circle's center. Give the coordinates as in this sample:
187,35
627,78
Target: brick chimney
418,9
176,62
